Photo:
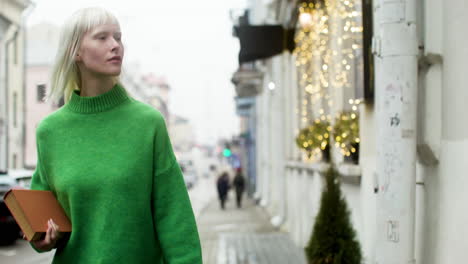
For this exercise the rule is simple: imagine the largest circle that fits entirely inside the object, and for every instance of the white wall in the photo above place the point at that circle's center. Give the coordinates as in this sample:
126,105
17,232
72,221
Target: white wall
16,101
445,229
441,211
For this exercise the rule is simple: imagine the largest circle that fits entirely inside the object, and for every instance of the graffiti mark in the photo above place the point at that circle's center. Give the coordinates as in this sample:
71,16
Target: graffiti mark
392,161
392,231
395,120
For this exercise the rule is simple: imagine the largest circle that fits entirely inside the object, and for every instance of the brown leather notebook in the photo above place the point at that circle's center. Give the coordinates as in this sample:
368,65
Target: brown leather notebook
32,209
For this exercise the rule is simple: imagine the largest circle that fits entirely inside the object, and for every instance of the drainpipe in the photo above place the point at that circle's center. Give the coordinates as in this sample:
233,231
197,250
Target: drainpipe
396,48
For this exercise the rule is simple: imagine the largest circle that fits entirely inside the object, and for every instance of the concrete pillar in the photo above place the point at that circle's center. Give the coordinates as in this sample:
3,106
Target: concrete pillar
396,47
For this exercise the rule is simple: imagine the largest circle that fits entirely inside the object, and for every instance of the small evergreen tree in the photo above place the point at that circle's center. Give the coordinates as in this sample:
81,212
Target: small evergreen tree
333,238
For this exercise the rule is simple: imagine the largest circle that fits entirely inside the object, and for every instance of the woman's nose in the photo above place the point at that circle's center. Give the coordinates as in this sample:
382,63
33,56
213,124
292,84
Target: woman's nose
115,44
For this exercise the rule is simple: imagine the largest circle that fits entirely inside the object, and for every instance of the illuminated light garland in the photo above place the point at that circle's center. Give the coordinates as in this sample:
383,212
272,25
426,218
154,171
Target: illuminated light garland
348,32
314,138
325,60
311,48
346,132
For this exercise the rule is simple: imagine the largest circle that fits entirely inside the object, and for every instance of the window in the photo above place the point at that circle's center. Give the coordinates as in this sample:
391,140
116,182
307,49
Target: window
41,90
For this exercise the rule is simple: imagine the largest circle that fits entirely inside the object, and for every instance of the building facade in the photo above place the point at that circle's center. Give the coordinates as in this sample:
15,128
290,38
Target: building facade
181,134
41,45
412,140
12,86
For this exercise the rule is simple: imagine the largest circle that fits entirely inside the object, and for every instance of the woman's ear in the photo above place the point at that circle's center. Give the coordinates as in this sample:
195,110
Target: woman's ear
77,57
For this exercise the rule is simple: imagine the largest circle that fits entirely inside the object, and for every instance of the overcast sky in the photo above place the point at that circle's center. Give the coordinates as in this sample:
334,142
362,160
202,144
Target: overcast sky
189,42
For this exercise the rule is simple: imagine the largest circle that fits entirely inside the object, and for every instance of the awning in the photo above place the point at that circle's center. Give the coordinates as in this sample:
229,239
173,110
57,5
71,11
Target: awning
260,42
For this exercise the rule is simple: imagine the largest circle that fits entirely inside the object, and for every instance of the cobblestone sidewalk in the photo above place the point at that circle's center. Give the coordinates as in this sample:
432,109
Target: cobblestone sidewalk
243,236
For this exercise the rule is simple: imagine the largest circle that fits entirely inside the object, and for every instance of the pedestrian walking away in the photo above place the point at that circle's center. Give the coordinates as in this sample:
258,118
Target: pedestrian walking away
222,185
108,159
239,184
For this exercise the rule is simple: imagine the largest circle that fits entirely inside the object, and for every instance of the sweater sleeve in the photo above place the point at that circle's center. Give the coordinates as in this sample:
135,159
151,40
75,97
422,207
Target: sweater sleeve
39,179
174,220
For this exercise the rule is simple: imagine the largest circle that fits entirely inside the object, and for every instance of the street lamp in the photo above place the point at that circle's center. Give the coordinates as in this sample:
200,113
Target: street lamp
271,86
305,19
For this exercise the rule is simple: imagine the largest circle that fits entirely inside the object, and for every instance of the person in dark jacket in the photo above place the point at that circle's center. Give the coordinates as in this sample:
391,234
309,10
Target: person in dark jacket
239,184
223,187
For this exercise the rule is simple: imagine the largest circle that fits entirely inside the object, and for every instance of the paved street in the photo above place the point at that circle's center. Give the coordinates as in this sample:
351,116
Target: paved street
257,248
202,194
22,253
243,236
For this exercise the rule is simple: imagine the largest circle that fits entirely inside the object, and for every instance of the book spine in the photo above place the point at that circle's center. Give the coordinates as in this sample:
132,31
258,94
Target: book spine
18,213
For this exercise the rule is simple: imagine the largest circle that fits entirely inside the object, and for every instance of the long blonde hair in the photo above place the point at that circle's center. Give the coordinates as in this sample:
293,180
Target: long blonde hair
65,76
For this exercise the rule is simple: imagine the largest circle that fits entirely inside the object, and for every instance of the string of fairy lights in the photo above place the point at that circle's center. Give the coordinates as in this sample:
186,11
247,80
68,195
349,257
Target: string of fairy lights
326,45
312,45
348,32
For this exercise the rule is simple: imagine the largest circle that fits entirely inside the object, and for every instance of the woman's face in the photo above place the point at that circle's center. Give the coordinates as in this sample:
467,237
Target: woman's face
101,51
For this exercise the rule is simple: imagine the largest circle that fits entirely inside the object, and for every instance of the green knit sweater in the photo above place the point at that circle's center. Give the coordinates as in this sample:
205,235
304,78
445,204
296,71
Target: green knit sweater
109,161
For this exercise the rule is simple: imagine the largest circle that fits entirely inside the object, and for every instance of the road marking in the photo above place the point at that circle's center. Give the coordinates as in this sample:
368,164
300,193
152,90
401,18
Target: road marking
222,258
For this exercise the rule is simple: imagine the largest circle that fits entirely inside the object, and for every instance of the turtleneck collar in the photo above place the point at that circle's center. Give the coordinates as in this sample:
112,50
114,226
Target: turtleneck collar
99,103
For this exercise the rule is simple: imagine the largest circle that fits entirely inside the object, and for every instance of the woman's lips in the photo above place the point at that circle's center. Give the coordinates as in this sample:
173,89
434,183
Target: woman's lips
116,59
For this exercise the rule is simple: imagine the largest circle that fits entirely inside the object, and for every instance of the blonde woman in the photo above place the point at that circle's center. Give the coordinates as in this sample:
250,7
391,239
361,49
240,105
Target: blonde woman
108,159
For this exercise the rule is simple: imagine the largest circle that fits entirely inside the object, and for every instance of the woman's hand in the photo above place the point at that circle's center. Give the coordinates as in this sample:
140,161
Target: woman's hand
51,237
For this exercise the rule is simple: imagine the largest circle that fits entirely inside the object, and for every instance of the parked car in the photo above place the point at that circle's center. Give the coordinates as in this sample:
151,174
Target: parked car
9,230
190,175
22,177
